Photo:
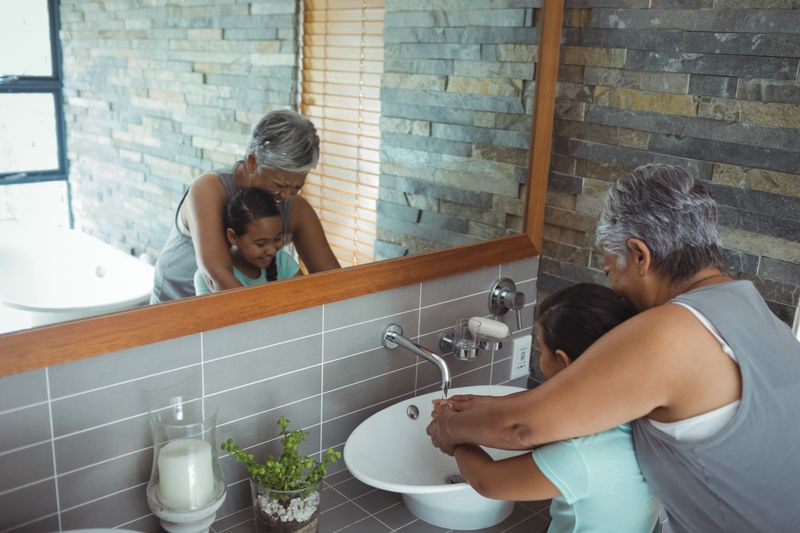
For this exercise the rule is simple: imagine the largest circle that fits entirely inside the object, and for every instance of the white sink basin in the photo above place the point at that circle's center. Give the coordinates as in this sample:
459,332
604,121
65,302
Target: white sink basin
391,451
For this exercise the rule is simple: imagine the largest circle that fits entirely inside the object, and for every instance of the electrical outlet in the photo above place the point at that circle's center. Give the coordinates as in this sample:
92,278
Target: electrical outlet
520,356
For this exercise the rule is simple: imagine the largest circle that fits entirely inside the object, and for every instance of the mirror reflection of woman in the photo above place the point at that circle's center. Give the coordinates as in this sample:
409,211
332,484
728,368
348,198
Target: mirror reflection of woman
284,147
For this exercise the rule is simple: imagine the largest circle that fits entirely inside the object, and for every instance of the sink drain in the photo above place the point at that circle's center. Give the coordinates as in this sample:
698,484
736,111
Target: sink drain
452,479
413,412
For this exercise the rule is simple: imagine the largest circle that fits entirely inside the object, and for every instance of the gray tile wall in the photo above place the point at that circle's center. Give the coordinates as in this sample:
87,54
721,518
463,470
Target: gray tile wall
75,444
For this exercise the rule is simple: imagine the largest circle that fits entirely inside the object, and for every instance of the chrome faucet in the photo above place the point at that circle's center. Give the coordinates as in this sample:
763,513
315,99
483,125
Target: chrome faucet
393,337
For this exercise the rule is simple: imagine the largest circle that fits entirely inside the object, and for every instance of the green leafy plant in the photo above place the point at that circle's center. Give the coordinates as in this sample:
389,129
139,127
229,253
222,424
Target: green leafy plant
290,471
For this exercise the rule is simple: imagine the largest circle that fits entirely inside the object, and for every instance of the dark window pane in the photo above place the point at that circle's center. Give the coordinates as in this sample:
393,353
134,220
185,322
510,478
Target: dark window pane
28,137
25,29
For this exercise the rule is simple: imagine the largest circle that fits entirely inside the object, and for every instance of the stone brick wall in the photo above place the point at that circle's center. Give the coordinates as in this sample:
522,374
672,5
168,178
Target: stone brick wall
711,85
456,103
158,92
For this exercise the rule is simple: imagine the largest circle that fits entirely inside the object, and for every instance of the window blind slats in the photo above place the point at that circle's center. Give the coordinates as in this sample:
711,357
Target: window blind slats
339,114
340,15
343,4
342,68
339,78
370,40
344,28
344,52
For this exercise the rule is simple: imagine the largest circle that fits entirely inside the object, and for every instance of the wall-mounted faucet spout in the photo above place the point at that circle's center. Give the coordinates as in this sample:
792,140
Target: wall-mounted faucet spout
393,337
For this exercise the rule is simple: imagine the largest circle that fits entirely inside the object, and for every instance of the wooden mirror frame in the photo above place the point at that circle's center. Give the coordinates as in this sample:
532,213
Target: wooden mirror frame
71,341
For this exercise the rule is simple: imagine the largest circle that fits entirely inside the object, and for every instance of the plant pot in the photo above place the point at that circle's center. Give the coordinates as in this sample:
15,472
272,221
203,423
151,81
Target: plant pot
279,511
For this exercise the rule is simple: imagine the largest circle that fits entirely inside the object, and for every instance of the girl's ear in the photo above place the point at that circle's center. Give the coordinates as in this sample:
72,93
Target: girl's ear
639,253
563,358
231,235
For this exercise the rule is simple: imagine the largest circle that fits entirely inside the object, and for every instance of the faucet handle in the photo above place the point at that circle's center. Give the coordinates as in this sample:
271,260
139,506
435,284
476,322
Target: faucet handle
504,296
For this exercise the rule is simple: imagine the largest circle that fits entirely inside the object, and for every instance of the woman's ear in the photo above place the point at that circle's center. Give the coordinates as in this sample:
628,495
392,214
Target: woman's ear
250,163
563,358
639,253
231,235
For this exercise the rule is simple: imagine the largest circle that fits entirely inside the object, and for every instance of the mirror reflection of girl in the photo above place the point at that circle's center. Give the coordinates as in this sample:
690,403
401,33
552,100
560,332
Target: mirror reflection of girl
594,481
254,230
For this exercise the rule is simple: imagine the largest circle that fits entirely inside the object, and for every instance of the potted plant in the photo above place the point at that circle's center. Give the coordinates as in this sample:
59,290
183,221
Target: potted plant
285,489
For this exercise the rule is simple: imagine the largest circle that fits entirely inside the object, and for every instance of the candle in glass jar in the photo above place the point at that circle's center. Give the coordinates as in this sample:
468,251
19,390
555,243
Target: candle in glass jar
185,474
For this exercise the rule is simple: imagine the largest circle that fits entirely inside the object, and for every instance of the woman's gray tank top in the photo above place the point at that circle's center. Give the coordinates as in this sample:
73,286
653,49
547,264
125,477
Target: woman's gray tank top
175,267
746,477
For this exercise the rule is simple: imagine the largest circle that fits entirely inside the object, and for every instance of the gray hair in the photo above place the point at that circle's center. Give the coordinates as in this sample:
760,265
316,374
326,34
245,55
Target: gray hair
285,140
668,209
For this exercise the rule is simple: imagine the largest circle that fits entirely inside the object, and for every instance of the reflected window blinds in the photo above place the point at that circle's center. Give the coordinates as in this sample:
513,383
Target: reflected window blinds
341,78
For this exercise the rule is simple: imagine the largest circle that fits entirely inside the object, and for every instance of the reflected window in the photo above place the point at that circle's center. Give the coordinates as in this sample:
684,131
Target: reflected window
341,73
31,115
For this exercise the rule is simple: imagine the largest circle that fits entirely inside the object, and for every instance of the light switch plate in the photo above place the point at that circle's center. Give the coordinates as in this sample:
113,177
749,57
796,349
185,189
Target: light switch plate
520,356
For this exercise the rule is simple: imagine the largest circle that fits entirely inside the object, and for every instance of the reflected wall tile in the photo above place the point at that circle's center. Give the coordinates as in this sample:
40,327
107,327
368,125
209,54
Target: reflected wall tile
367,393
112,511
147,524
442,316
396,516
523,270
371,306
76,413
263,427
26,466
336,431
340,517
27,504
262,363
43,525
444,289
106,442
378,500
260,333
22,389
237,498
24,426
430,382
373,363
366,525
226,522
96,481
367,335
269,394
116,367
501,370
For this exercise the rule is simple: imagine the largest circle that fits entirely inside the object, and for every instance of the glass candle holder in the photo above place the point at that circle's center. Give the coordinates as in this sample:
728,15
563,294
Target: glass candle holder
186,483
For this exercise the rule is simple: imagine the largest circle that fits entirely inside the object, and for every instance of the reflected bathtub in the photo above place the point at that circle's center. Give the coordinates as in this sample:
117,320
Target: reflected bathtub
55,274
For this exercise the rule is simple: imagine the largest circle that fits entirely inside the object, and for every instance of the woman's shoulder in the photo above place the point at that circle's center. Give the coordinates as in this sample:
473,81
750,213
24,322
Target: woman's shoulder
208,185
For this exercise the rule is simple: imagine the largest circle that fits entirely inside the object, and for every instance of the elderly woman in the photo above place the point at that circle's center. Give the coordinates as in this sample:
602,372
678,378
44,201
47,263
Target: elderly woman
283,149
710,377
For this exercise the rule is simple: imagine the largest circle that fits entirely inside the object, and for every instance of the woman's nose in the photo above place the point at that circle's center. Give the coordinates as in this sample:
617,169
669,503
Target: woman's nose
284,194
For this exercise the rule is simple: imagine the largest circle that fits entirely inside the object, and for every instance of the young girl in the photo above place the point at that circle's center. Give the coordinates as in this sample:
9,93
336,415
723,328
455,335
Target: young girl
254,229
594,481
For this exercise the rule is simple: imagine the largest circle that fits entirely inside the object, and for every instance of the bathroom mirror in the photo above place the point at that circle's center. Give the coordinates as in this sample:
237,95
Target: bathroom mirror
424,143
83,338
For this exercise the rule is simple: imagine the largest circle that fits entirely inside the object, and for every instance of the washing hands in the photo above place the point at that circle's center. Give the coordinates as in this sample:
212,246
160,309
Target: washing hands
443,411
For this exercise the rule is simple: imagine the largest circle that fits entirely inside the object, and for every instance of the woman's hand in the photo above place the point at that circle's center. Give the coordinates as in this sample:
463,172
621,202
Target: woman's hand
462,402
309,238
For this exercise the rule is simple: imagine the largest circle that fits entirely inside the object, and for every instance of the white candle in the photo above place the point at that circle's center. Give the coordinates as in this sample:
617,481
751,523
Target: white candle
185,473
